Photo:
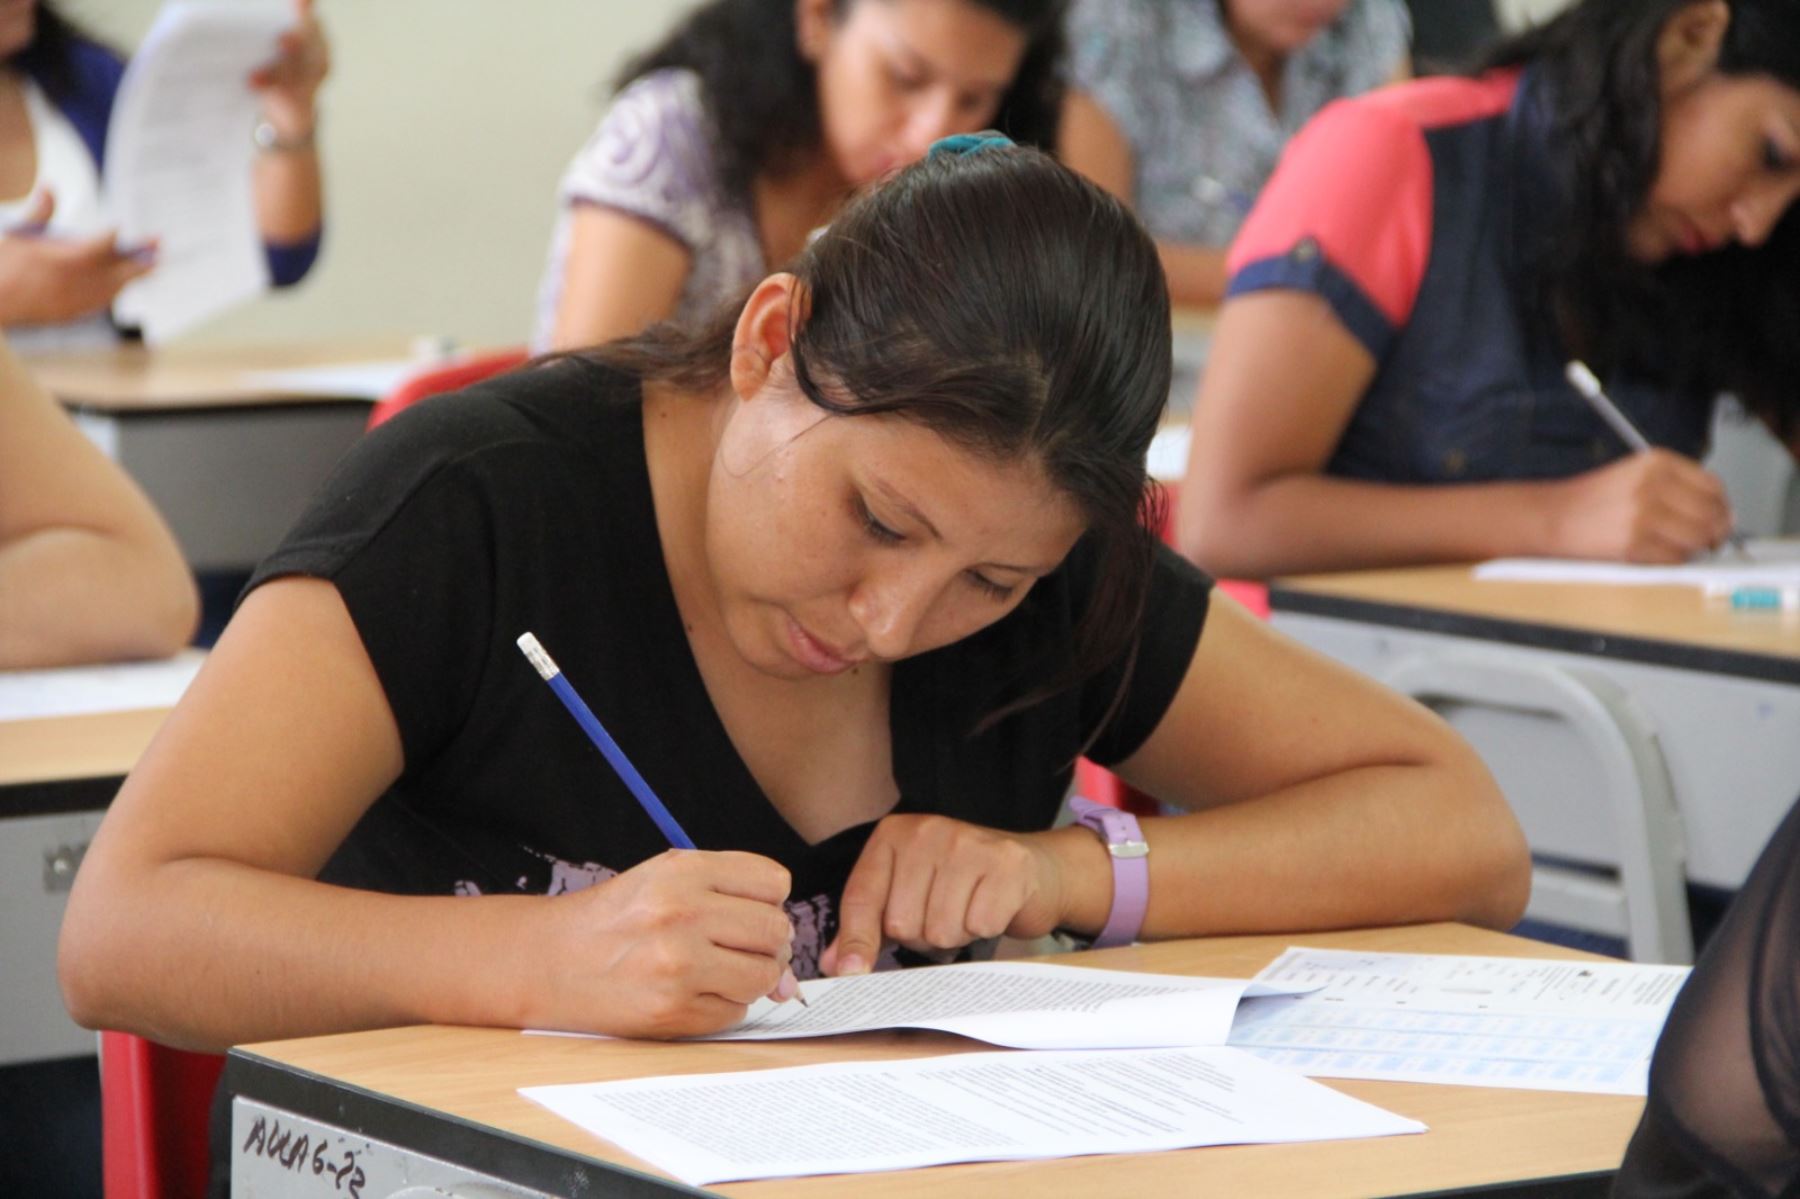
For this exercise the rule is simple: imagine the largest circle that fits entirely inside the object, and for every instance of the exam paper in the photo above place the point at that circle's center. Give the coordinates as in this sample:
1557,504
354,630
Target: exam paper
178,161
83,690
351,380
1771,562
1500,1022
1167,459
1022,1005
852,1117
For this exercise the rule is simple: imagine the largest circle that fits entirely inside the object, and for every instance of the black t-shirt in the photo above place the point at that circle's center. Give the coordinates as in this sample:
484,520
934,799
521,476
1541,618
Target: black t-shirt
524,504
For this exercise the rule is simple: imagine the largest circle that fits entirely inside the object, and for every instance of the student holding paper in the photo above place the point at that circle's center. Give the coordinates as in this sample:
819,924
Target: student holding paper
88,571
743,131
852,572
1387,380
59,262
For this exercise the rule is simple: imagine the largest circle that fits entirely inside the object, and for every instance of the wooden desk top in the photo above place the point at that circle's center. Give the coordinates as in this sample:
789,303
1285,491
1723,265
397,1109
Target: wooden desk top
102,745
1665,625
132,377
465,1079
70,763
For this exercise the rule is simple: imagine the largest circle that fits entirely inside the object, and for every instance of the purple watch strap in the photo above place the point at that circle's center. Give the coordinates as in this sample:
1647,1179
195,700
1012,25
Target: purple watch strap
1130,866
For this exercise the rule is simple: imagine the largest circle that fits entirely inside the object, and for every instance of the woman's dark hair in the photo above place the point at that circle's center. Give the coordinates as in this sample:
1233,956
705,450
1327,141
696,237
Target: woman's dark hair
1012,307
763,96
1723,321
47,58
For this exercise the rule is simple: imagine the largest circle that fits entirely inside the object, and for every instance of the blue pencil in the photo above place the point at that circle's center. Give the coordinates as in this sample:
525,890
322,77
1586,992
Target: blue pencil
590,724
634,782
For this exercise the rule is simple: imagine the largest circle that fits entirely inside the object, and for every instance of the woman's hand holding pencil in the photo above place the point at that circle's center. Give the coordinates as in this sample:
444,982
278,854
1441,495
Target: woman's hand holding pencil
693,937
676,946
1653,505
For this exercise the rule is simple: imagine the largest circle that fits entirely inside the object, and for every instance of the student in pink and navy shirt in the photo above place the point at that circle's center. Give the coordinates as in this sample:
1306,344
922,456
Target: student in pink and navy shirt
1387,378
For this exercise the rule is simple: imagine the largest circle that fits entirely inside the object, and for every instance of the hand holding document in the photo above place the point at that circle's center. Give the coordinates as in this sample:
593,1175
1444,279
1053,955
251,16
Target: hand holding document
1493,1022
178,161
850,1117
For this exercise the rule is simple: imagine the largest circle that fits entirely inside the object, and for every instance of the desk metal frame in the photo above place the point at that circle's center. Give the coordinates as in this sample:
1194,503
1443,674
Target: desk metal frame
1720,722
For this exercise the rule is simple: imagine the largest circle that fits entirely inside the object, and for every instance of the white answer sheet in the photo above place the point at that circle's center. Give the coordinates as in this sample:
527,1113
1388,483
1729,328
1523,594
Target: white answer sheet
1771,562
83,690
854,1117
1534,1024
350,380
1022,1005
178,161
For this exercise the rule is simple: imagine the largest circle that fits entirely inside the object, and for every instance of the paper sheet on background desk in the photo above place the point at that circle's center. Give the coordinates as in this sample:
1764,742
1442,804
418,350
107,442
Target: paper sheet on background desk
352,380
83,690
1553,1025
1771,562
852,1117
178,161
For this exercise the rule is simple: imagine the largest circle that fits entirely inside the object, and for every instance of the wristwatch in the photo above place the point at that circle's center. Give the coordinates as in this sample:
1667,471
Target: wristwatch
1119,832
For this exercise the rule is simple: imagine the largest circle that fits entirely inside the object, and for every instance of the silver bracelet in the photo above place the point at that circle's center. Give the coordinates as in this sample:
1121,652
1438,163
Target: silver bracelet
269,140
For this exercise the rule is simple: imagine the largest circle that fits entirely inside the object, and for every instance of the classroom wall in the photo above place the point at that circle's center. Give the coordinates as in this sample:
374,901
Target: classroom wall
445,125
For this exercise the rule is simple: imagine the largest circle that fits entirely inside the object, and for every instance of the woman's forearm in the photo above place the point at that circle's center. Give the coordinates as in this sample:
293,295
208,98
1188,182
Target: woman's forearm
1377,845
1196,274
288,192
73,595
213,953
1304,522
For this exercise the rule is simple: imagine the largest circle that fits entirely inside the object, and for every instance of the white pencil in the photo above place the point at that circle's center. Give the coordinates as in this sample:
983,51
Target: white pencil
1587,386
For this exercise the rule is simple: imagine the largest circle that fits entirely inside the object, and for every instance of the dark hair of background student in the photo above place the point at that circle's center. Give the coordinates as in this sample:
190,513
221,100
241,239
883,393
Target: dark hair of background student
747,52
1013,308
1722,321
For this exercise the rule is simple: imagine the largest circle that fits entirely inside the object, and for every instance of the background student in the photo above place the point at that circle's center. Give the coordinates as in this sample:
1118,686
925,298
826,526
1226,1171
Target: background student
88,571
853,574
1386,383
1181,107
59,260
730,142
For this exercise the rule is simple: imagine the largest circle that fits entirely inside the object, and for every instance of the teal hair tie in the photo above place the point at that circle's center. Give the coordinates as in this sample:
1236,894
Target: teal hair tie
959,145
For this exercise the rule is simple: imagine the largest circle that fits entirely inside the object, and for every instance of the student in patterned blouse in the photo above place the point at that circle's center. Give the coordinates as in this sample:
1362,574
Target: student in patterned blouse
1181,107
730,142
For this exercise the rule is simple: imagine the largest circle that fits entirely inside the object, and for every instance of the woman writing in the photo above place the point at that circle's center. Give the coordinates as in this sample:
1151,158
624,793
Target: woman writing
741,133
1387,381
853,573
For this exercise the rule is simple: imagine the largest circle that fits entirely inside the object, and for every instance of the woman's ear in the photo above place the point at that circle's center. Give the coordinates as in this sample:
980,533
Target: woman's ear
765,331
1687,49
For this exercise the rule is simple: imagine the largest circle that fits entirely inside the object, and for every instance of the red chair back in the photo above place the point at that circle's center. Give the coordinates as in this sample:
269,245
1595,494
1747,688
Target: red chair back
434,379
154,1106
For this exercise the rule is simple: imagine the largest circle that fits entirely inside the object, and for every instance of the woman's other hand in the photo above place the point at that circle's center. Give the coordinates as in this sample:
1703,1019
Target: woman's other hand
933,883
50,280
289,84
